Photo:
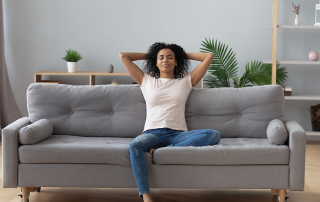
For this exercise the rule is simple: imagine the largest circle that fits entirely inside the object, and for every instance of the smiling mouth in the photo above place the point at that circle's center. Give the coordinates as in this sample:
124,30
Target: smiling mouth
165,65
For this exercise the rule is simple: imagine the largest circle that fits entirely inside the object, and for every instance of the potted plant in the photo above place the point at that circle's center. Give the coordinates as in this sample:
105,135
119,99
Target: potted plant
72,57
224,68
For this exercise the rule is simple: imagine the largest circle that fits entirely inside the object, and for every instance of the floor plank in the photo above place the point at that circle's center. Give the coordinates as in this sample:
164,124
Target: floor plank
53,194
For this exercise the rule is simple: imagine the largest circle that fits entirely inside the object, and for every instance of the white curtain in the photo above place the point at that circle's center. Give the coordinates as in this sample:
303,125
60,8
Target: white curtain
8,108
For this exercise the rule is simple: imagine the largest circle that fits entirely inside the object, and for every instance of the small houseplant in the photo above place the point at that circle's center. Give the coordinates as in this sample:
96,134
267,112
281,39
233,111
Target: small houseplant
72,57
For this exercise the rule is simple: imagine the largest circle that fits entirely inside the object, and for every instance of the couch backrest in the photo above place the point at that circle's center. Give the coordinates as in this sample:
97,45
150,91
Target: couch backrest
120,110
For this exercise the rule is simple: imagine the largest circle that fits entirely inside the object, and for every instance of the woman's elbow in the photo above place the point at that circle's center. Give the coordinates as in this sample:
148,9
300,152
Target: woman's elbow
211,55
121,54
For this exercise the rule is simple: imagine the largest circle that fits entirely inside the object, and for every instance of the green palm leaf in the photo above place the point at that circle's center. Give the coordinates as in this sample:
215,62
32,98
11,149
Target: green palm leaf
223,67
259,73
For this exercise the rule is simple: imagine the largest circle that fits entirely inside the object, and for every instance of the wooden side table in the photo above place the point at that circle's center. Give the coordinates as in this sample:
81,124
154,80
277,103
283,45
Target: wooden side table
91,74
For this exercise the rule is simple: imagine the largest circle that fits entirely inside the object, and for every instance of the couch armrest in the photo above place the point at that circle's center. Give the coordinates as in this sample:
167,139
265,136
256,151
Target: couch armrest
297,146
10,158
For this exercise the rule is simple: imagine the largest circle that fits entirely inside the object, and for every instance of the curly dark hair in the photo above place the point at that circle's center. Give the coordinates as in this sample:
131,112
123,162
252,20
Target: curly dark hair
183,62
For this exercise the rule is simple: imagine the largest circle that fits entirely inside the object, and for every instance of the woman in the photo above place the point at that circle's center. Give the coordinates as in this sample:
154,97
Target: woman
165,86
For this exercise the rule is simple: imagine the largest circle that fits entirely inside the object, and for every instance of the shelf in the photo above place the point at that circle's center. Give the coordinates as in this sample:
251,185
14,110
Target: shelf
294,26
302,97
92,74
312,135
294,62
80,73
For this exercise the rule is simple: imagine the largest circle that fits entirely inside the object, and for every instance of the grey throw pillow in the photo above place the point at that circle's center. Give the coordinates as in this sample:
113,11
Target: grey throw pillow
35,132
277,132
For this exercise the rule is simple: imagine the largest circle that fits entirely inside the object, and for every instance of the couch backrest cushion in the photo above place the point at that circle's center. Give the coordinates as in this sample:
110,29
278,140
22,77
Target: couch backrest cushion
100,110
235,112
120,110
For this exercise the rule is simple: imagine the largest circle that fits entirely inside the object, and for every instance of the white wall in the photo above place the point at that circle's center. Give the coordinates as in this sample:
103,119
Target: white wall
38,32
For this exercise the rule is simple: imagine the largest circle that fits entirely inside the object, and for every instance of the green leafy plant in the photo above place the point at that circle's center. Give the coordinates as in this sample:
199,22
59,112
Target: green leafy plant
72,56
224,67
259,74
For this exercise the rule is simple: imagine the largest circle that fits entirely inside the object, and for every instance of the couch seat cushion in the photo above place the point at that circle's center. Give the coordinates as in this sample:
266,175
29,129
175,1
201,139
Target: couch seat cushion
229,151
78,149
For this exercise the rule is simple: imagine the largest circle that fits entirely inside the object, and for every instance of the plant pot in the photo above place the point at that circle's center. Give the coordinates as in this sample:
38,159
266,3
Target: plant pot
297,20
72,66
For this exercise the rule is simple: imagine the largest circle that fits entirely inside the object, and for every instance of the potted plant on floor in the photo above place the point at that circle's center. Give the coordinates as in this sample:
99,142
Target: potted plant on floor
72,57
224,68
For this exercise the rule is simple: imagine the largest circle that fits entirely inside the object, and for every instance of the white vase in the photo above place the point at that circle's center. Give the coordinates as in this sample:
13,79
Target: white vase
297,20
72,66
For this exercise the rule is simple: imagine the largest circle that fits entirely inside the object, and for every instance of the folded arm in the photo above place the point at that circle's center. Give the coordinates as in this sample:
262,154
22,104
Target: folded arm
200,70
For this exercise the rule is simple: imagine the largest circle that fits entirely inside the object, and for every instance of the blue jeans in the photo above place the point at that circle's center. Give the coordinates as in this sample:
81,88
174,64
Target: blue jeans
164,137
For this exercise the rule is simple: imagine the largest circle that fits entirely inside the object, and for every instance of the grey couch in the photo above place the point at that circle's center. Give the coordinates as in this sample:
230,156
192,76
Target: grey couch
94,125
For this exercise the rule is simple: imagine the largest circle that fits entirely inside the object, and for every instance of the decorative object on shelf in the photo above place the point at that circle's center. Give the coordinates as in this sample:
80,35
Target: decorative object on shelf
72,57
114,82
287,91
314,55
315,117
223,67
110,68
317,15
296,11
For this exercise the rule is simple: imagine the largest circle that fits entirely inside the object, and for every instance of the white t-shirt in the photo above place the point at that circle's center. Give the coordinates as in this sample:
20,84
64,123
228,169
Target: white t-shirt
165,101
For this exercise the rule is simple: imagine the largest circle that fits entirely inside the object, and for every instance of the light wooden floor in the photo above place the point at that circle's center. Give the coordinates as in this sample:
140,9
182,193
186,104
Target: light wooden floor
311,193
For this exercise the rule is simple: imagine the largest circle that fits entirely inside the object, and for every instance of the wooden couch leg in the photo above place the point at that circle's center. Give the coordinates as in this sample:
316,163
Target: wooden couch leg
283,194
25,193
26,190
275,191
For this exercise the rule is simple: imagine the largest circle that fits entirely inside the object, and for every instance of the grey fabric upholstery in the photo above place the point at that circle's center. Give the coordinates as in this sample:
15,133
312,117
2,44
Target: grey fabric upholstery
109,110
35,132
97,111
297,145
235,112
109,150
87,118
276,132
160,176
10,144
229,151
77,149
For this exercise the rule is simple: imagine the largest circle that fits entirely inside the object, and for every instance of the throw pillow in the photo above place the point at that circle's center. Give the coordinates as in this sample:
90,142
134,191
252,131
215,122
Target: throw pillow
35,132
276,132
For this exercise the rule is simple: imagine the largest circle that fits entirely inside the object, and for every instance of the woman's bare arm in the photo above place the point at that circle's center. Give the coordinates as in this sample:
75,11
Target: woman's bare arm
200,70
135,72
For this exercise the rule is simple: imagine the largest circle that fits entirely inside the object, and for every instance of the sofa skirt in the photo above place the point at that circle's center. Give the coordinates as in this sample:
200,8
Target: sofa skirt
160,176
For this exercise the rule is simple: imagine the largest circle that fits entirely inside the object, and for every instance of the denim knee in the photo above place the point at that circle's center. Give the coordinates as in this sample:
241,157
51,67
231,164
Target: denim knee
215,137
134,145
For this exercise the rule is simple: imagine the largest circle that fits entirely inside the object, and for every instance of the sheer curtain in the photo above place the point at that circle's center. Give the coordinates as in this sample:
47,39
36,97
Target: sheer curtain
8,107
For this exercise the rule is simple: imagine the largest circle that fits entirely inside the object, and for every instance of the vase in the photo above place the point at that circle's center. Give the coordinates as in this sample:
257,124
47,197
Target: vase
72,66
110,68
297,20
313,56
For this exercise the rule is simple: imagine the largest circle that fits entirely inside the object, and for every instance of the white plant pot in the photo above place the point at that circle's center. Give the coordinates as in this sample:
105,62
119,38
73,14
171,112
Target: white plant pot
72,66
297,20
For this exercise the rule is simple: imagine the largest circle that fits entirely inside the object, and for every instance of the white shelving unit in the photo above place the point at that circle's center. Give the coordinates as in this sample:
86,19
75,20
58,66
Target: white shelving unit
311,135
294,26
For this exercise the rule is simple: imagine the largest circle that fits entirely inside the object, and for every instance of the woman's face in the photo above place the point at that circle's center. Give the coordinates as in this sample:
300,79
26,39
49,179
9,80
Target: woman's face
166,60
